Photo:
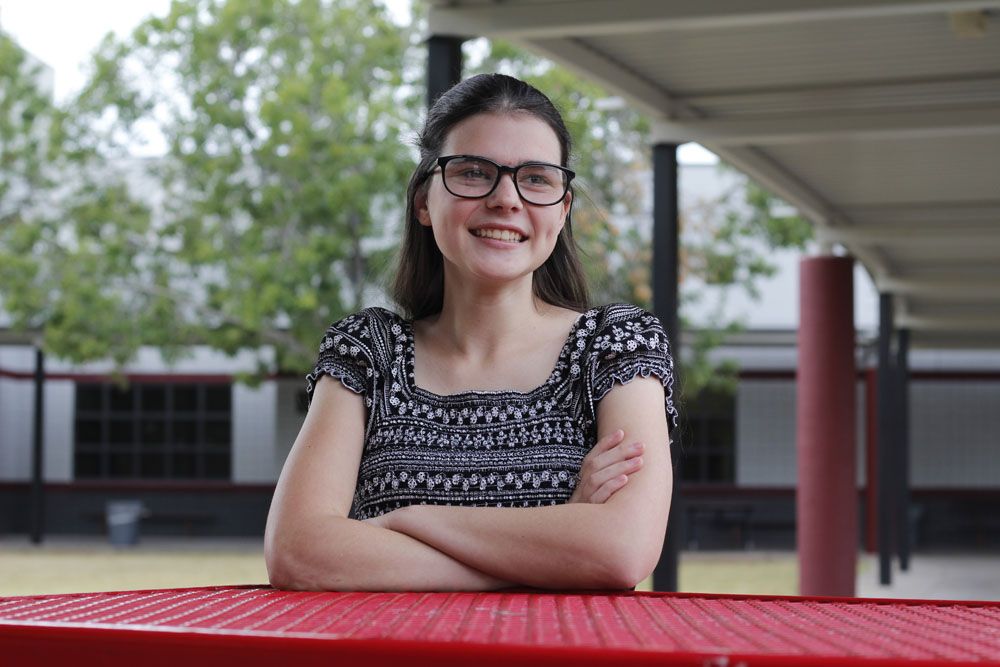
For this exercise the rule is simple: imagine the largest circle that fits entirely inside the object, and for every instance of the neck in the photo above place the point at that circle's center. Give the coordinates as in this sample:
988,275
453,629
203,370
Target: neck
484,322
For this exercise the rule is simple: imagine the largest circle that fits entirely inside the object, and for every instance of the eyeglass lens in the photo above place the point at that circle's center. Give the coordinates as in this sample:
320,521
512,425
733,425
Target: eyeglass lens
540,184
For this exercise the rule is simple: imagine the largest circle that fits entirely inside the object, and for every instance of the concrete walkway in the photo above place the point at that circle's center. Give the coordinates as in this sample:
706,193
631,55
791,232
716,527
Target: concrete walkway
934,576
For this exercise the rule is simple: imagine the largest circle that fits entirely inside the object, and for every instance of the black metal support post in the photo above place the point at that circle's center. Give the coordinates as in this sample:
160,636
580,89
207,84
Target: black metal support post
444,64
666,232
903,531
886,445
38,453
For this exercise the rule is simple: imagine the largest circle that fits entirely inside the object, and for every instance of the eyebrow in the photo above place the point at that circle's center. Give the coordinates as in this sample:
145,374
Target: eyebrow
516,164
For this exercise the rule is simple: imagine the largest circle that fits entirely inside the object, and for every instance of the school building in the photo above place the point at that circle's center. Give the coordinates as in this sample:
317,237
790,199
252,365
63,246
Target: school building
203,451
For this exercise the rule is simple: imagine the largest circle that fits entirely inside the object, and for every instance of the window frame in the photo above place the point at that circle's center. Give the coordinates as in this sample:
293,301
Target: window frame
121,446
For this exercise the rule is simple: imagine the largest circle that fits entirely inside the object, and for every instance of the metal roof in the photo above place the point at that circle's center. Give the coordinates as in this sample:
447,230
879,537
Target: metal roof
878,119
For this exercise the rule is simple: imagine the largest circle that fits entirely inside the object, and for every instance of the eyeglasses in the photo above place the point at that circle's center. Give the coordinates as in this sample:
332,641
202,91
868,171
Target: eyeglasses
474,177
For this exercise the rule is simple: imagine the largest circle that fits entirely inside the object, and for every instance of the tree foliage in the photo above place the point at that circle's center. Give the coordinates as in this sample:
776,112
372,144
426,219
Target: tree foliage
27,115
273,192
277,126
62,223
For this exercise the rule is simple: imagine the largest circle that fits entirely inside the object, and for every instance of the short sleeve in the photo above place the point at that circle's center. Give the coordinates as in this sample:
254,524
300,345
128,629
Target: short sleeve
346,354
630,342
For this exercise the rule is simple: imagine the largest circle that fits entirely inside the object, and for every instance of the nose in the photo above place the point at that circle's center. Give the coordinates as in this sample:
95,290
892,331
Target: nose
505,194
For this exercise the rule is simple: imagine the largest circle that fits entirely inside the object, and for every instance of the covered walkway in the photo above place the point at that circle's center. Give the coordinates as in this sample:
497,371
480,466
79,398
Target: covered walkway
880,121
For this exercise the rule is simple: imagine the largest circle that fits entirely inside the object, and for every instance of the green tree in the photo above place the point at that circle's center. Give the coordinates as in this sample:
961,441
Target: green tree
277,125
27,115
55,206
279,177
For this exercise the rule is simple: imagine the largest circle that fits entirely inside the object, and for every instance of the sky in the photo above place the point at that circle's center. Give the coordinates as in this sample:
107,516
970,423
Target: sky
63,33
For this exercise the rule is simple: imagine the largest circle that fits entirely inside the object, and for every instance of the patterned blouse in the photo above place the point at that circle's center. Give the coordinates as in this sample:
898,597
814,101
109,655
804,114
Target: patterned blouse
484,448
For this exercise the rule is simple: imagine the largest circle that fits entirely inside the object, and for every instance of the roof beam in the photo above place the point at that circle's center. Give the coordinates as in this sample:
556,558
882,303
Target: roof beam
912,235
509,20
952,289
596,66
785,185
826,127
821,91
942,214
778,180
969,340
959,323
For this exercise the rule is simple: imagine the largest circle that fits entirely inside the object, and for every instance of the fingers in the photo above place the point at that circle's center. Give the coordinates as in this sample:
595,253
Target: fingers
600,478
607,442
606,468
597,485
608,489
620,452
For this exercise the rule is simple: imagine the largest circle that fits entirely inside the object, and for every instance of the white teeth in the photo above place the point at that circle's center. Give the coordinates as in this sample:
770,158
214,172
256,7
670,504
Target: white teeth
499,234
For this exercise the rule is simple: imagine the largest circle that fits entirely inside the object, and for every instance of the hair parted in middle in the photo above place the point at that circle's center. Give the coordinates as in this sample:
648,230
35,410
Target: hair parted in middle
419,286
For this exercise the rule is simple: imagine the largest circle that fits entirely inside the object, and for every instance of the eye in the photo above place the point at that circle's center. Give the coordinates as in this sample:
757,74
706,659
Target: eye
536,179
471,170
474,172
540,177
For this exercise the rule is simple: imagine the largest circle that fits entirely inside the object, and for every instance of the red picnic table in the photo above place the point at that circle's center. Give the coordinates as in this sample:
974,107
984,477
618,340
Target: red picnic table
258,625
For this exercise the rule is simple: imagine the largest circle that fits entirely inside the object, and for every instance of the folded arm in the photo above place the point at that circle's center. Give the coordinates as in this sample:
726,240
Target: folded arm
615,544
311,544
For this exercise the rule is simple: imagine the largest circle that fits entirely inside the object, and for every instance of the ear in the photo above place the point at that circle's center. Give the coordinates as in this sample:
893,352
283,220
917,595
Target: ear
420,207
567,204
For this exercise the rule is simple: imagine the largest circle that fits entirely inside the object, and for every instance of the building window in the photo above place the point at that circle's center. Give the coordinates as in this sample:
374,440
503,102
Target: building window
709,454
153,431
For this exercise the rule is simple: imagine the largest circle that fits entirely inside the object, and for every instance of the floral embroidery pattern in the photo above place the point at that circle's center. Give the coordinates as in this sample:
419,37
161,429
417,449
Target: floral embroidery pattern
484,448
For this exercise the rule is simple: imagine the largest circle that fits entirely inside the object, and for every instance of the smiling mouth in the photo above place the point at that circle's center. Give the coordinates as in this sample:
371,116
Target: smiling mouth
498,234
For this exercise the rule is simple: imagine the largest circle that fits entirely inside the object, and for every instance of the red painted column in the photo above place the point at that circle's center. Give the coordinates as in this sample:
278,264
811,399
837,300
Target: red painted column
826,498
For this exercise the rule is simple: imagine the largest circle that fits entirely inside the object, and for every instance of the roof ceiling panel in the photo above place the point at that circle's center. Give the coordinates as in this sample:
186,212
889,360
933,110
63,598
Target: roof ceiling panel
875,118
853,173
941,250
826,98
775,57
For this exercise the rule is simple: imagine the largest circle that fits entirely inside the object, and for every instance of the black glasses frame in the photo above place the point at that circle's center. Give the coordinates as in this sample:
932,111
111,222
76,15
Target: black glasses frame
501,169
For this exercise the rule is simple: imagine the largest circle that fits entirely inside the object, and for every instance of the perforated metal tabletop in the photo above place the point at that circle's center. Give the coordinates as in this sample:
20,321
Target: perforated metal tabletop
259,625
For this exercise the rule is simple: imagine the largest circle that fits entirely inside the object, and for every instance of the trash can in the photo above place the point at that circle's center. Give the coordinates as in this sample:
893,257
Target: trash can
123,517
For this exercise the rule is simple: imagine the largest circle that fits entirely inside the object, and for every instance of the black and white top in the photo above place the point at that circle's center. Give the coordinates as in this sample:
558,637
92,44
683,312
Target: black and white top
484,448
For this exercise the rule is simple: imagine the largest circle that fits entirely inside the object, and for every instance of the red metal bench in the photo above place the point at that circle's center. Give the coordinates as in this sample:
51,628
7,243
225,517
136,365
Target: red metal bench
258,625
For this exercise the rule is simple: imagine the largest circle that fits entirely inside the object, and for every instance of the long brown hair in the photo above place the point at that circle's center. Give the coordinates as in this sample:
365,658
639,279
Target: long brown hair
419,287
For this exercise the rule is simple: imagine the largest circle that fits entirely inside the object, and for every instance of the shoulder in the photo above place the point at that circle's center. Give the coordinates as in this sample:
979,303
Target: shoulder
618,312
356,347
365,320
622,327
364,328
626,342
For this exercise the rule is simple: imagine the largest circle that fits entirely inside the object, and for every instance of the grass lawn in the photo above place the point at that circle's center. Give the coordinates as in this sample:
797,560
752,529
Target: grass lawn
741,572
88,565
72,566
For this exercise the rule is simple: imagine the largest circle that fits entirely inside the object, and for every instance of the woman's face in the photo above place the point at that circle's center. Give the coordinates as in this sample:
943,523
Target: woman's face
498,238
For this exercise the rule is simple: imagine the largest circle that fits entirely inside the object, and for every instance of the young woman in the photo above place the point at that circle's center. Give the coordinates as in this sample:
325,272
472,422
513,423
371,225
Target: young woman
501,434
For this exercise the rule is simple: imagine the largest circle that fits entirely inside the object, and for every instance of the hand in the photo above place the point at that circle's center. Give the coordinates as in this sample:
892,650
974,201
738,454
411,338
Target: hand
606,468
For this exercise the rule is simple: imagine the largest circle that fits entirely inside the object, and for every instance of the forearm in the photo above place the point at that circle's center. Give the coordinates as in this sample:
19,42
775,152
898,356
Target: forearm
563,546
335,553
